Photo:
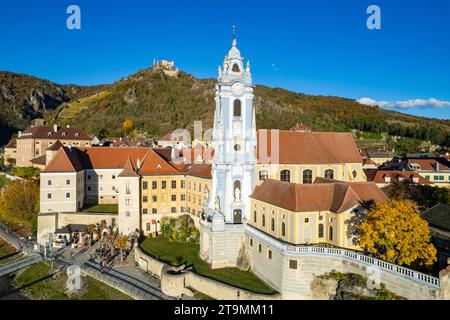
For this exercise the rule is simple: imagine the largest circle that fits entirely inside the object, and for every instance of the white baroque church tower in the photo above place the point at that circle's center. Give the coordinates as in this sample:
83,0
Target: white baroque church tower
234,141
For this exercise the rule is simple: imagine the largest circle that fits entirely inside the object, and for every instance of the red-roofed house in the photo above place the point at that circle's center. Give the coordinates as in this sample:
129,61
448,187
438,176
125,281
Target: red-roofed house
384,178
34,142
436,170
145,183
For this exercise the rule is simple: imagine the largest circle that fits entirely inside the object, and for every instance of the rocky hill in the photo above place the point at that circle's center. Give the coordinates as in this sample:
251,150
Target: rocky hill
24,98
158,103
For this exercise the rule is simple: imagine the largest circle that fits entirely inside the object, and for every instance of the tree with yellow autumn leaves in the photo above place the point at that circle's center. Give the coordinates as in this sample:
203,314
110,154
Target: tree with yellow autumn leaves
19,203
395,232
127,126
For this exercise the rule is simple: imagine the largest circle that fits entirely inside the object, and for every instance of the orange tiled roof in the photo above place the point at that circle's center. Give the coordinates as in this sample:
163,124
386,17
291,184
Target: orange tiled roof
429,164
66,160
39,160
333,196
155,164
113,158
300,147
11,144
56,146
378,176
74,159
200,170
46,132
128,170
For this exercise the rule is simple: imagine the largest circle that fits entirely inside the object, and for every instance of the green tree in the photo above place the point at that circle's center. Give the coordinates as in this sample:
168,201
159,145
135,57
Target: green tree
25,172
425,196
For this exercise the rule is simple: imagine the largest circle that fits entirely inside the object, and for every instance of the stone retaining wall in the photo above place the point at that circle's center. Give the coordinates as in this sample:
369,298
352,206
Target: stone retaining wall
292,272
175,282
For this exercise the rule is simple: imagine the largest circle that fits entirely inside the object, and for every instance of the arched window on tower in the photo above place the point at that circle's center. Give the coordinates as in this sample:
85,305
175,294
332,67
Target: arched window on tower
329,174
307,176
237,185
321,230
283,229
263,220
236,68
237,108
272,225
285,175
330,233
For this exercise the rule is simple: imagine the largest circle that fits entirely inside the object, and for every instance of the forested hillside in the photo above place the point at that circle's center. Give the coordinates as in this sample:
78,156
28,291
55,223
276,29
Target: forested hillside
157,103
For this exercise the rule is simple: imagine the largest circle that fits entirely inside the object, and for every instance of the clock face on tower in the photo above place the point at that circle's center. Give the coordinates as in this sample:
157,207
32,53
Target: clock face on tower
237,88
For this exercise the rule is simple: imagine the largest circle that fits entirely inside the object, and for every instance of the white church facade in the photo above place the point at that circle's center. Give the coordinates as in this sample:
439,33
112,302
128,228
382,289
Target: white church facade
276,195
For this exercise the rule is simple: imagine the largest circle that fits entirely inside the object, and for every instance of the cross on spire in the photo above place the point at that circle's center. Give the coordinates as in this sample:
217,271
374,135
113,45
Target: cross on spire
234,42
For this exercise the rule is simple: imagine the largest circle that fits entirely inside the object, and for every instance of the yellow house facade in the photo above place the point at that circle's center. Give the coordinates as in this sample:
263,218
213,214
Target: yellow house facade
161,196
198,181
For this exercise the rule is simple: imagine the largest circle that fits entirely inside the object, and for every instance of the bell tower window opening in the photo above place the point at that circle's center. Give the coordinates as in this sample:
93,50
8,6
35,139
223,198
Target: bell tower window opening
237,108
236,68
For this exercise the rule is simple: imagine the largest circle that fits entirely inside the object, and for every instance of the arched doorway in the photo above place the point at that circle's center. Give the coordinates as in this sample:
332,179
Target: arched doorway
237,216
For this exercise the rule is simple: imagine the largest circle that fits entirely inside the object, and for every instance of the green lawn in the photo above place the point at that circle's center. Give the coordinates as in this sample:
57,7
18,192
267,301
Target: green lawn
178,253
101,208
54,288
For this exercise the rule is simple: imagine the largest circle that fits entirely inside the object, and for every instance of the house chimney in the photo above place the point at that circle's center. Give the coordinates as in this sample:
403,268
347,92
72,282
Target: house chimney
55,127
19,134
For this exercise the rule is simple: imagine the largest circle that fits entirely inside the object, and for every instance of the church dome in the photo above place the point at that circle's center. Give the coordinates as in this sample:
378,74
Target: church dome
234,52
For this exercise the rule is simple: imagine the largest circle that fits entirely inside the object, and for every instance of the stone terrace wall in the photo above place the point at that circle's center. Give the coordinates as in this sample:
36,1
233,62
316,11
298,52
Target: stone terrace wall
175,283
311,262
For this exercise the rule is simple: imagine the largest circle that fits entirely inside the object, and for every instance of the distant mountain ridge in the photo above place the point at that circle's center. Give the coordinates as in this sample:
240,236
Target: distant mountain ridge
158,103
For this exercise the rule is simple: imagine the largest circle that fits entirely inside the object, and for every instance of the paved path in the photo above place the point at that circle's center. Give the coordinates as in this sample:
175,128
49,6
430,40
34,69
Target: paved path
124,276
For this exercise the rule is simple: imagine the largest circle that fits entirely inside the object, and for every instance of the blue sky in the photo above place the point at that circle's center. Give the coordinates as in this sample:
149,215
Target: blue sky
316,47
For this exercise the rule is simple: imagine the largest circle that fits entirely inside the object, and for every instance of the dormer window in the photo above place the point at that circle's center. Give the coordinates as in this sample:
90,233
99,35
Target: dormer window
236,68
63,134
77,134
49,134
